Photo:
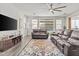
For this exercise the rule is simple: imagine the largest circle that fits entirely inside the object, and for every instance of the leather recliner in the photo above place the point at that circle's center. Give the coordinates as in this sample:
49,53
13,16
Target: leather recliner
73,49
61,40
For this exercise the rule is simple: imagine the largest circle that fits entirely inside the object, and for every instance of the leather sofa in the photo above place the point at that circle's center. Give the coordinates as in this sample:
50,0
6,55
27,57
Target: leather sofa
73,49
60,40
39,34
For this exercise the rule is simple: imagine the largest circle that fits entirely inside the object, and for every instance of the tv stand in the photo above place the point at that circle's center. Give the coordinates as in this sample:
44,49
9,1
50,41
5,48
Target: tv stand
10,42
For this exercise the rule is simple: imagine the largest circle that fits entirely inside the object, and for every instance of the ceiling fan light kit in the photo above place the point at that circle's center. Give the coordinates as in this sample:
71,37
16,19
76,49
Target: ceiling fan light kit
51,9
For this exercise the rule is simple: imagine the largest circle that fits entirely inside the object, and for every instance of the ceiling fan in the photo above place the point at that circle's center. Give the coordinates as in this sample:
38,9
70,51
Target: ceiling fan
51,9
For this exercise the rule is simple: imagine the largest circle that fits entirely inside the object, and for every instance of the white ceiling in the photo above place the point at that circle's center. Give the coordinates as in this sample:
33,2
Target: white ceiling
42,9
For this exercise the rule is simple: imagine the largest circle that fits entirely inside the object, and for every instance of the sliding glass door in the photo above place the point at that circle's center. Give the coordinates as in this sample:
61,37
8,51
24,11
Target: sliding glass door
34,24
49,24
59,24
46,24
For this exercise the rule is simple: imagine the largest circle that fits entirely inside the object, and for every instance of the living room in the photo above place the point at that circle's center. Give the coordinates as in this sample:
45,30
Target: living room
43,29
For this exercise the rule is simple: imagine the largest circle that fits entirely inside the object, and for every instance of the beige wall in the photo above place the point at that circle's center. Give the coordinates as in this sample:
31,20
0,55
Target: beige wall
11,11
68,22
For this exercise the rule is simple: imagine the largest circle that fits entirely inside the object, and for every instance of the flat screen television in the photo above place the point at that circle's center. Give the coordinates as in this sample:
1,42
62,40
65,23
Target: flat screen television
7,23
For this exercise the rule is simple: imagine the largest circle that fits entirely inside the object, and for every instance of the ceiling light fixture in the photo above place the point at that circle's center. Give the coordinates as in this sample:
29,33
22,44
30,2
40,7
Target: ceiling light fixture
52,9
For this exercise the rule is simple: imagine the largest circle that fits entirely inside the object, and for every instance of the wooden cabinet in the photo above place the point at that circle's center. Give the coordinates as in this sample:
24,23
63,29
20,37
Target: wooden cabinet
6,44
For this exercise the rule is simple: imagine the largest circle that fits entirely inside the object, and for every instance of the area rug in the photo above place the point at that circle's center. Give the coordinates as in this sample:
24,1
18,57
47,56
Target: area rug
40,47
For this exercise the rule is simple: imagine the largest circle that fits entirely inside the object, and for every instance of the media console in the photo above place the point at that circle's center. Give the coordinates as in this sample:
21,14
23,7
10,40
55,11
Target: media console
7,43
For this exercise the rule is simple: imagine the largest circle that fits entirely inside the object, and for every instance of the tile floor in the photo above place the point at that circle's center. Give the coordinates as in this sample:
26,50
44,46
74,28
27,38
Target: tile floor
40,47
33,47
14,51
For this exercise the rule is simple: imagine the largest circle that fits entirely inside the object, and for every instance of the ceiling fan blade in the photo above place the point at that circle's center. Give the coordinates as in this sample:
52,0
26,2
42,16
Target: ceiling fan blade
51,6
58,10
60,7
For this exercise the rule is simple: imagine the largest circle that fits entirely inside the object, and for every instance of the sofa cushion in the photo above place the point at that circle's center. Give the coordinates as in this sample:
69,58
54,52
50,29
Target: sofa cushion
59,35
60,31
67,32
43,30
56,37
73,41
66,43
75,38
64,37
60,41
75,34
35,30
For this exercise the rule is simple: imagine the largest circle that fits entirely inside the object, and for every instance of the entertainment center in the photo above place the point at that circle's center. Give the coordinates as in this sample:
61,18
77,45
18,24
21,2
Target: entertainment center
8,41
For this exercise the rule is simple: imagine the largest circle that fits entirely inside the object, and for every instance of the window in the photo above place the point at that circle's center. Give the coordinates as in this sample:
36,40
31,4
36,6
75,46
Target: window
59,24
34,23
46,24
75,24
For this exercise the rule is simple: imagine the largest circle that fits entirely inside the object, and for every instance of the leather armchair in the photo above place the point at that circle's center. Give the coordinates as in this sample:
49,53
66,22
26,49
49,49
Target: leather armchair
61,40
73,49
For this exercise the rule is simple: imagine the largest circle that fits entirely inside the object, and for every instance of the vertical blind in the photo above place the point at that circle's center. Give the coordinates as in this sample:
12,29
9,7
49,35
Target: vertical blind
47,24
34,23
75,24
59,24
